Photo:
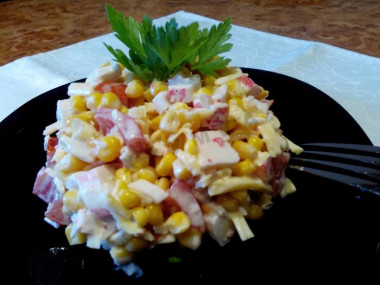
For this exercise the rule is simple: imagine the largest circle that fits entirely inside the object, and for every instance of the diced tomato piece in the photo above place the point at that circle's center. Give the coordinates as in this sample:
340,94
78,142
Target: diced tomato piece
50,149
186,200
279,164
131,133
126,125
137,144
104,119
170,206
44,186
54,213
117,88
273,172
264,171
268,102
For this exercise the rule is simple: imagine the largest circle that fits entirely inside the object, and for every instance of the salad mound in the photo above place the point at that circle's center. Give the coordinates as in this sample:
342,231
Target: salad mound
133,162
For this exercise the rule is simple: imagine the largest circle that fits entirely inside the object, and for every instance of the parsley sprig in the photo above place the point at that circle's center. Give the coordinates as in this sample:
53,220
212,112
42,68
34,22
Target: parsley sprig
159,52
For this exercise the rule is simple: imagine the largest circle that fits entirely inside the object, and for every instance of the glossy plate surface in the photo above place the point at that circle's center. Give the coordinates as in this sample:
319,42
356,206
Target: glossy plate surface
324,232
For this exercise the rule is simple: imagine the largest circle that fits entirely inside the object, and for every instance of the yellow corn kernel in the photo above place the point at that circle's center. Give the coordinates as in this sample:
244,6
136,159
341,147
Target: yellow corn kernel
230,125
135,89
141,161
156,136
87,116
179,106
140,216
79,238
93,100
124,109
134,177
206,209
128,198
110,100
109,148
71,201
244,167
256,142
178,223
83,131
120,184
240,133
179,142
237,100
151,115
203,90
263,94
181,172
155,214
71,163
78,103
124,174
148,96
165,165
157,159
120,255
235,88
245,150
148,174
263,115
193,118
191,146
163,183
155,122
136,244
191,238
106,63
240,195
157,87
254,211
164,136
265,200
209,80
231,84
227,202
182,117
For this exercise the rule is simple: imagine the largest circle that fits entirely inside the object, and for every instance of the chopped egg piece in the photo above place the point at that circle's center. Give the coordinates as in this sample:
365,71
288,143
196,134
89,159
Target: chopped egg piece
105,73
94,186
79,88
149,191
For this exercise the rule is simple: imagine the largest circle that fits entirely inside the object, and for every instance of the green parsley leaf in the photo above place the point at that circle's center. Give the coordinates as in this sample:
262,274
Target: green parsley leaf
160,52
127,30
174,259
214,45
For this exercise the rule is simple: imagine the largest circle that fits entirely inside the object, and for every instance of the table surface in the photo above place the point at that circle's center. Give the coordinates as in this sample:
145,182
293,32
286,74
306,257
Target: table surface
32,26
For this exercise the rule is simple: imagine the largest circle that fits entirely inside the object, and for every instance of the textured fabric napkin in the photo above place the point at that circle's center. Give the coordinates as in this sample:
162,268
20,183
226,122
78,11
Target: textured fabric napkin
352,79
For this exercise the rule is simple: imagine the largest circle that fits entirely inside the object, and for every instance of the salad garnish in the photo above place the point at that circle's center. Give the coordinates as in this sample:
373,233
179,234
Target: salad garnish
159,52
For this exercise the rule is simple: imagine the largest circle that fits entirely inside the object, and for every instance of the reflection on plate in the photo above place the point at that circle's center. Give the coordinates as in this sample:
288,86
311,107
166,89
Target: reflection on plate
324,232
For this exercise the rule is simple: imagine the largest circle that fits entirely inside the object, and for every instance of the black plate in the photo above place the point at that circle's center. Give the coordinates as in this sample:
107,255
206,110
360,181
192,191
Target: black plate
324,232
